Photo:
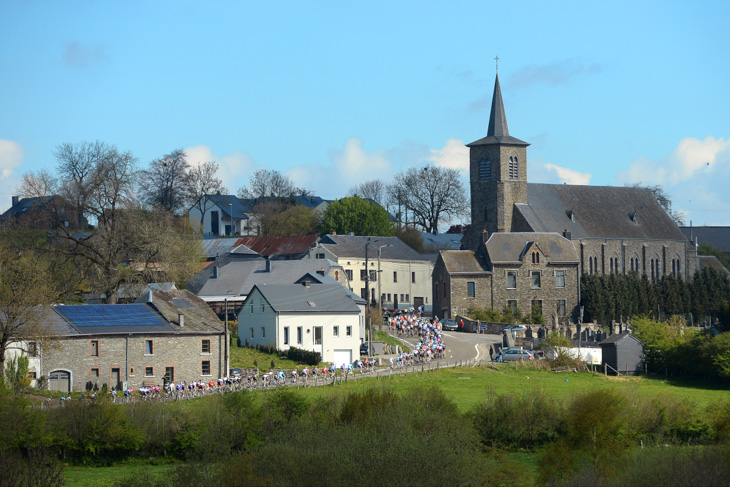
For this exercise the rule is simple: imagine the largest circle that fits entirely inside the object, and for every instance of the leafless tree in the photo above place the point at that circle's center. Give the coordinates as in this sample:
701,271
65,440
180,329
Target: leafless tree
265,183
39,183
374,189
201,181
664,201
430,194
162,184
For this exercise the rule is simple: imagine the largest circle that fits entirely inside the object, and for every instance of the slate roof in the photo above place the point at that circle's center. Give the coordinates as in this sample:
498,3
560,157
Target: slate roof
164,305
224,202
712,262
463,261
316,298
25,205
504,248
718,237
497,131
598,212
442,241
617,337
354,247
238,278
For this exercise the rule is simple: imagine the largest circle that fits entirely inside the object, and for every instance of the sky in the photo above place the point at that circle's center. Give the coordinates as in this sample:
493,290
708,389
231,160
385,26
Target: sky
336,93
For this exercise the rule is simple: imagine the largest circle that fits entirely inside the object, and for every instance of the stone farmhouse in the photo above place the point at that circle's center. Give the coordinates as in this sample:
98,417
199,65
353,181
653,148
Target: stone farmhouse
614,229
324,318
166,335
519,271
395,272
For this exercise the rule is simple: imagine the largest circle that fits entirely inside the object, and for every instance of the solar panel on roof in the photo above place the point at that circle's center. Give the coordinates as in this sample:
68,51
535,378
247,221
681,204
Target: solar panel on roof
111,315
180,303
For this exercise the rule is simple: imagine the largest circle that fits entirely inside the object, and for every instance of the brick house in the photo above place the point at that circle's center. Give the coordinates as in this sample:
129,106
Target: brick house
166,334
522,271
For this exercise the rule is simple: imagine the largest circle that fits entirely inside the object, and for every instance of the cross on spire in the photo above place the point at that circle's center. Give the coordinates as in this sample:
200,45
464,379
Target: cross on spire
496,61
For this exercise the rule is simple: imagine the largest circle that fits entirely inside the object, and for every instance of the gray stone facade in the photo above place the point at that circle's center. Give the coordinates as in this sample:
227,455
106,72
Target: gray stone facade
183,353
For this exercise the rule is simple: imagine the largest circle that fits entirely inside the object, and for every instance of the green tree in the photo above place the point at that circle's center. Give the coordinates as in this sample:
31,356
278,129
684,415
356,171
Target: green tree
354,214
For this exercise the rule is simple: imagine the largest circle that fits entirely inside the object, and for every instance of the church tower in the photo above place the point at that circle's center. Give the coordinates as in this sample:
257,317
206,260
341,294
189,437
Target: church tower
498,174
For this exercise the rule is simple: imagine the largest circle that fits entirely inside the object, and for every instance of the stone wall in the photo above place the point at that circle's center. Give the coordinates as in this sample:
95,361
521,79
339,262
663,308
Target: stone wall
127,353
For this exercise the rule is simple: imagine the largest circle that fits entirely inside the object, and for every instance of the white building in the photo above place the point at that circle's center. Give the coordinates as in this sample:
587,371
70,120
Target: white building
323,318
399,274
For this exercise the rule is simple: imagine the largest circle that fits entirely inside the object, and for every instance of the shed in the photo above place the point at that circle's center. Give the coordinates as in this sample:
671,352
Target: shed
623,352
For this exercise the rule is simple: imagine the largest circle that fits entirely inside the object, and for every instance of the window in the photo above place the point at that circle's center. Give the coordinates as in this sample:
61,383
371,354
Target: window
318,335
94,346
408,299
559,278
348,273
470,291
535,279
252,332
205,367
149,371
395,276
348,331
336,331
537,307
363,274
485,168
535,257
512,306
373,275
94,372
131,371
263,332
511,280
205,345
388,297
286,335
364,293
319,256
263,307
32,349
402,298
149,347
413,277
560,307
300,331
251,308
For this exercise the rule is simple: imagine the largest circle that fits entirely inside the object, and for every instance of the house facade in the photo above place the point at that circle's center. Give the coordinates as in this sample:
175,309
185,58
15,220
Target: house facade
165,336
529,272
323,318
395,272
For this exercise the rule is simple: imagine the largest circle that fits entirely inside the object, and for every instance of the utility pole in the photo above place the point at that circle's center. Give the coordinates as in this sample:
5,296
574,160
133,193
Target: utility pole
380,278
367,301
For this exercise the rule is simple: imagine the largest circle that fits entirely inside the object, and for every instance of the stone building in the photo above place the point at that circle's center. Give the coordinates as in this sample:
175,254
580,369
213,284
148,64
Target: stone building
171,335
614,229
525,271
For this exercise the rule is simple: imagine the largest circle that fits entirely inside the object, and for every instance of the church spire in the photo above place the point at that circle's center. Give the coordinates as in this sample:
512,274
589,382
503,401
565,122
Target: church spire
497,117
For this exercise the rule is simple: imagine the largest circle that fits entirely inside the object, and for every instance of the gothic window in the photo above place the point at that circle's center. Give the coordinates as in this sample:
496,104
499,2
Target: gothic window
595,264
485,168
511,168
535,257
590,265
678,267
516,169
610,265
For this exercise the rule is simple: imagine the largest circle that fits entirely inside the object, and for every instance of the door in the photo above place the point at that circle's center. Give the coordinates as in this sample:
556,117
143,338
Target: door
395,302
214,223
169,374
59,380
318,339
417,302
116,379
342,357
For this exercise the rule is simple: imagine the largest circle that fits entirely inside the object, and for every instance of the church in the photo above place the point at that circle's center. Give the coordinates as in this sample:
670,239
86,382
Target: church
613,230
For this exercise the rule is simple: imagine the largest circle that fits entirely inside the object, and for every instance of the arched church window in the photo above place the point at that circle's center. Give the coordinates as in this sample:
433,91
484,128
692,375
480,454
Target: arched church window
595,264
535,257
590,265
678,267
516,168
485,168
511,168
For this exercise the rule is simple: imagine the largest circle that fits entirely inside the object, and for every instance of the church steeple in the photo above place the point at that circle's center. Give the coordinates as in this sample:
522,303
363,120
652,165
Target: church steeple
497,118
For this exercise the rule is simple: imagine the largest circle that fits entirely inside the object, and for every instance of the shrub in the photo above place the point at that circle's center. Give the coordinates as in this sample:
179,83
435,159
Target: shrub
36,468
307,356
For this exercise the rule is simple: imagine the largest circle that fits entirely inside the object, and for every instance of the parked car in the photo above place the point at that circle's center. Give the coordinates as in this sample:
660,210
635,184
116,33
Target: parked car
364,349
235,372
514,328
449,325
513,355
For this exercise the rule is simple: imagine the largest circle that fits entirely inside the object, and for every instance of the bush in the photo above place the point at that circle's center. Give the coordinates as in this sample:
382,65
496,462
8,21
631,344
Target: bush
306,356
37,468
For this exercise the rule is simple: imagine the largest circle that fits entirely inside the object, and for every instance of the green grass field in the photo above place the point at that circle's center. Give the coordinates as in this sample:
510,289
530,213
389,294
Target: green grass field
82,476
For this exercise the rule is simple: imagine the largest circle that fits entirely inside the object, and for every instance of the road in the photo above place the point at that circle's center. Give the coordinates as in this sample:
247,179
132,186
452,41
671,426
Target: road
464,346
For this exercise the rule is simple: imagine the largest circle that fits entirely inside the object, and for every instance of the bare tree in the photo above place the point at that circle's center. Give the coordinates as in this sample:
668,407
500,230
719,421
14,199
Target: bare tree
664,201
430,194
162,184
200,182
374,189
265,183
38,184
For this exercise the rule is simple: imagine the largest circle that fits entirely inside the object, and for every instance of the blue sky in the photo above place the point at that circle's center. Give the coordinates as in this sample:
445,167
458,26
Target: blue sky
335,93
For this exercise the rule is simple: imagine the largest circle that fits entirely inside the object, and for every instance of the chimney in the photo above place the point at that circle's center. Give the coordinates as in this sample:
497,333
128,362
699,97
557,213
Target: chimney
566,234
15,200
484,237
181,319
215,272
268,265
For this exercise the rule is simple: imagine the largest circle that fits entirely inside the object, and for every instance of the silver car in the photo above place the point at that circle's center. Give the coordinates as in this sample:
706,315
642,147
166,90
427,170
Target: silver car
513,355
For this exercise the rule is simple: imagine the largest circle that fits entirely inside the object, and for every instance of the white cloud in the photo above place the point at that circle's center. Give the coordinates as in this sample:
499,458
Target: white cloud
11,157
569,176
694,175
233,168
540,172
453,155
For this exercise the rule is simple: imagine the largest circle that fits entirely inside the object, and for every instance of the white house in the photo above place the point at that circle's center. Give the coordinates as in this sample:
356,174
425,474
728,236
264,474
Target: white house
323,318
29,349
399,274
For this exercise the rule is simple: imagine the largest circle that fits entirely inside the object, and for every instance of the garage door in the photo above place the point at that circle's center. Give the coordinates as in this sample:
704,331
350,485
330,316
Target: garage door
59,380
343,357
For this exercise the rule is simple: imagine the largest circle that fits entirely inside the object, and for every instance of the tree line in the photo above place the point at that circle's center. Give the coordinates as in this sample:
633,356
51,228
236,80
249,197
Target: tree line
619,297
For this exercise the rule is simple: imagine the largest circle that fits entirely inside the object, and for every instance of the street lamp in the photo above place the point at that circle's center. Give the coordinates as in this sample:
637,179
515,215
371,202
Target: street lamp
367,299
380,278
232,223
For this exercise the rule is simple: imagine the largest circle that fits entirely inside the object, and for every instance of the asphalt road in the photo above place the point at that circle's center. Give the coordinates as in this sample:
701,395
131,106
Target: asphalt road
464,346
